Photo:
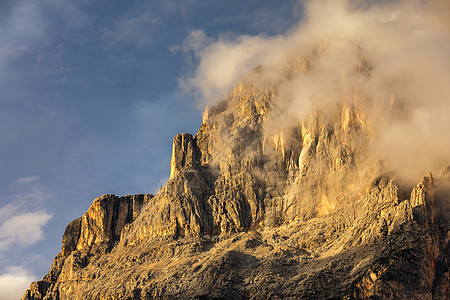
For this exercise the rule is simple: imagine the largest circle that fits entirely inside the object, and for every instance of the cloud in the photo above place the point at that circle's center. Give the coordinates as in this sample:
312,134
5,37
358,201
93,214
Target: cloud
29,22
23,230
404,90
7,210
21,223
27,180
29,192
14,281
23,25
222,62
34,39
132,29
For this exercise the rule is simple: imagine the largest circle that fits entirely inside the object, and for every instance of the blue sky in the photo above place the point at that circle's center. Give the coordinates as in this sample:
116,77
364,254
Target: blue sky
90,101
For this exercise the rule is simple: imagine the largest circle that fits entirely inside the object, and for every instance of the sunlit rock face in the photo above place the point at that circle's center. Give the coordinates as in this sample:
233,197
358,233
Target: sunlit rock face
258,208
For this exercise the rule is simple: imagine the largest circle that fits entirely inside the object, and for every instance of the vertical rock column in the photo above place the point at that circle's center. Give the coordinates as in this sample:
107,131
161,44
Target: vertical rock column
185,153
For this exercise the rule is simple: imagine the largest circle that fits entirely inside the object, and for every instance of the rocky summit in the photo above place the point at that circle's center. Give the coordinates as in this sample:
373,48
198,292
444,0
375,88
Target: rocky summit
259,208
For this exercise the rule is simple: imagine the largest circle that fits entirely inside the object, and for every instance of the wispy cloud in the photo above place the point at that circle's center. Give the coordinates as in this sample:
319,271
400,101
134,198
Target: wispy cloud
132,29
23,230
14,281
29,192
21,223
23,26
34,41
27,180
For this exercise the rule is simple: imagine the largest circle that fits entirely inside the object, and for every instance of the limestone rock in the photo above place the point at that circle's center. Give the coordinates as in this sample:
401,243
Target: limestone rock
253,210
185,153
95,233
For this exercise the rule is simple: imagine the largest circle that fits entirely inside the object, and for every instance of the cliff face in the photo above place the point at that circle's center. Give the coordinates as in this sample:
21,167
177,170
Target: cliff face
254,210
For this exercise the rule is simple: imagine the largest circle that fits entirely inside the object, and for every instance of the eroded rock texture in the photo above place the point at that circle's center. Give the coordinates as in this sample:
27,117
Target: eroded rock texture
253,210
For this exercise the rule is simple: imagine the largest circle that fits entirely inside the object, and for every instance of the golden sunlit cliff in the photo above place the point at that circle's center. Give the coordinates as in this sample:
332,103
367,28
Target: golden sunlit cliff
268,202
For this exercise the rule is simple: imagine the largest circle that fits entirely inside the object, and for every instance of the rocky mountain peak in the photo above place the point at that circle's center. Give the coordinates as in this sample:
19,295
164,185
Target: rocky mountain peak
257,207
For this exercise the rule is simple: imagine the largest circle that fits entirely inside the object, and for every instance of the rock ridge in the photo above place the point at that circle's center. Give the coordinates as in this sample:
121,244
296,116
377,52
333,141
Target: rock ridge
255,210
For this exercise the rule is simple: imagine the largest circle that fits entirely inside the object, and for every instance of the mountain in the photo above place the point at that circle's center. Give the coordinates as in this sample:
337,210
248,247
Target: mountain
261,205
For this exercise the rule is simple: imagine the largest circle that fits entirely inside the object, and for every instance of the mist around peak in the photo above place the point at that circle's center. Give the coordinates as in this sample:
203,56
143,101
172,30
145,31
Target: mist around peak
387,61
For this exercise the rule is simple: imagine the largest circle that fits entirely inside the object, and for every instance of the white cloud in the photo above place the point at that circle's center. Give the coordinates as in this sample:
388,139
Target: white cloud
14,281
22,225
21,220
8,210
224,61
23,230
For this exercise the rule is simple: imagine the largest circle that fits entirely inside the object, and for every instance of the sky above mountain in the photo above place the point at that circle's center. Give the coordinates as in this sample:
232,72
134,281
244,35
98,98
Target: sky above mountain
90,103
